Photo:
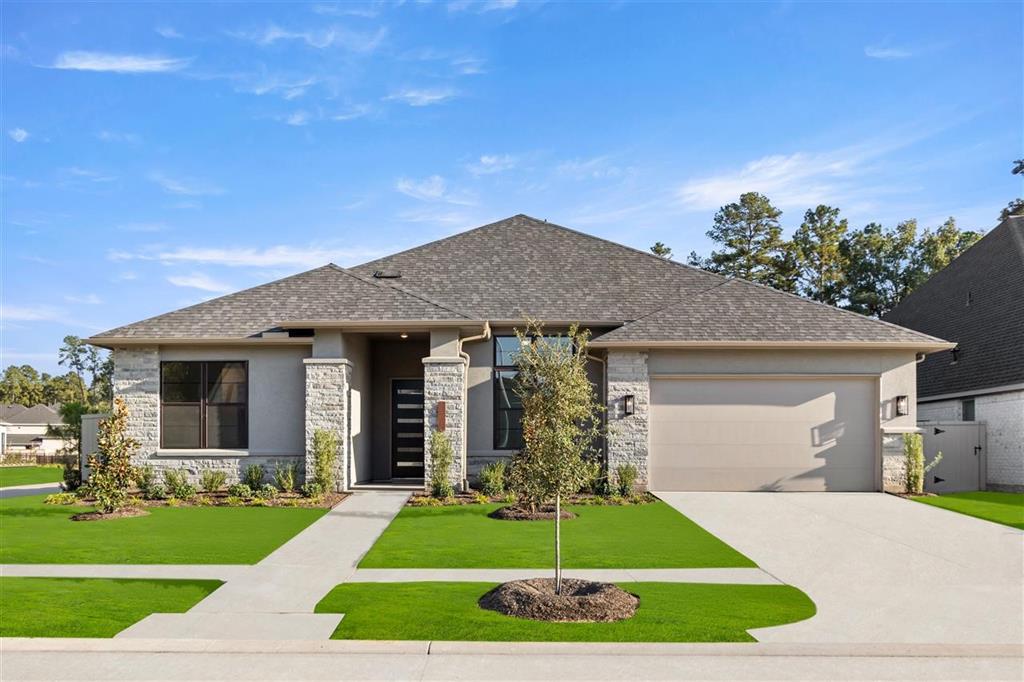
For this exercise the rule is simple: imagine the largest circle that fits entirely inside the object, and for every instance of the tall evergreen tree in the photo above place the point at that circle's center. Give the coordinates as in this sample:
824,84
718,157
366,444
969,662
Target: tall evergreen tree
881,267
936,250
659,249
750,239
820,259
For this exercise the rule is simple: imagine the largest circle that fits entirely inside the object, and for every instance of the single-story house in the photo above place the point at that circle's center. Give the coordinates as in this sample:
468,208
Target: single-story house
26,429
711,383
978,300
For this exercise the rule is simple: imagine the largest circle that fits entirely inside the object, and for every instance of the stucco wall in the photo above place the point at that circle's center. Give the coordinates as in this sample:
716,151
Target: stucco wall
357,350
1003,414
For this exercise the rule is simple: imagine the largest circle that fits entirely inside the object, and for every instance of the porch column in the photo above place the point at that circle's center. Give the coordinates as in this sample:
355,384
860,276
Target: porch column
137,381
444,379
628,434
328,385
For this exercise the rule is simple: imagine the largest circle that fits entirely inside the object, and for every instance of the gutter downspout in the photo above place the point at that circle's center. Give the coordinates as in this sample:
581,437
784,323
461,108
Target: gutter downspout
486,334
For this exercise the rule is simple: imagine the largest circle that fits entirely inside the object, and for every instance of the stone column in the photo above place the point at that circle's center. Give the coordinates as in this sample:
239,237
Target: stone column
445,379
628,435
328,383
137,382
894,462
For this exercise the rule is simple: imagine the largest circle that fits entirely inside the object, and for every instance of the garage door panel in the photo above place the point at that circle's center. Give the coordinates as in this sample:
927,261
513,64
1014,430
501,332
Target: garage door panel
763,434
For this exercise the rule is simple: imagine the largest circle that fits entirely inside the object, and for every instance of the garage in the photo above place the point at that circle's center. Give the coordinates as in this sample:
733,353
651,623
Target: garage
764,433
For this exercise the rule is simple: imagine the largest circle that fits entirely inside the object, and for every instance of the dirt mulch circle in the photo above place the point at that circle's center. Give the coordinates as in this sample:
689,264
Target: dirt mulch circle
100,516
581,601
516,513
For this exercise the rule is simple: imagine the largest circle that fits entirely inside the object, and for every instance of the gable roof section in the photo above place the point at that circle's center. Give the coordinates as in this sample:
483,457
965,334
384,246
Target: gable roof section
988,326
37,414
328,293
736,311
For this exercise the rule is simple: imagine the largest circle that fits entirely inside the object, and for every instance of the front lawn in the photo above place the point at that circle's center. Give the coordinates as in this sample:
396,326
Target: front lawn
642,536
27,475
90,607
35,533
668,612
1004,508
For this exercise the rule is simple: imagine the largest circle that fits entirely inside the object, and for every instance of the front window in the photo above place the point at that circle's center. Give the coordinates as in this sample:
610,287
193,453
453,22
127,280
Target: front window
204,405
508,408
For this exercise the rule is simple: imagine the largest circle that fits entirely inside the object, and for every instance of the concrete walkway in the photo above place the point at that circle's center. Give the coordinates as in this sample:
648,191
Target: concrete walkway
29,489
878,567
275,598
744,576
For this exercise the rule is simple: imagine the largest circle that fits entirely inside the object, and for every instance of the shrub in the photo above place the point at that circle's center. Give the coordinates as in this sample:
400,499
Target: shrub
72,476
325,453
312,490
492,479
178,485
510,498
112,470
480,498
211,480
174,502
145,477
267,491
594,480
154,491
441,458
253,476
284,476
913,451
235,501
61,498
240,490
626,475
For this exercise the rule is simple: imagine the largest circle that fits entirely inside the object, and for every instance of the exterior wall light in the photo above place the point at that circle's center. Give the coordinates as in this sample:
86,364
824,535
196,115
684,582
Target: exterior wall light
404,335
902,405
628,404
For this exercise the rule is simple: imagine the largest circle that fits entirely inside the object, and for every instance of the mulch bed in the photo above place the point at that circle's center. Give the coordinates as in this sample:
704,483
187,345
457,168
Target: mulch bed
120,514
581,601
517,513
220,499
911,496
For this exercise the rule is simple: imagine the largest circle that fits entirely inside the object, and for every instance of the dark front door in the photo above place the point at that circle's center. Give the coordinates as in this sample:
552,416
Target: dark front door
407,428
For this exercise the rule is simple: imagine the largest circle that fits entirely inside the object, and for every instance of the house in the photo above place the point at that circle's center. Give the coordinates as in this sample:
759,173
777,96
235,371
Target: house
711,383
977,301
26,429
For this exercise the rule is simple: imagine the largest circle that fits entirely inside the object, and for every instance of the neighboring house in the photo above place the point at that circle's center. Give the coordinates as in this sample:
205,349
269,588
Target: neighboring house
711,383
26,429
977,301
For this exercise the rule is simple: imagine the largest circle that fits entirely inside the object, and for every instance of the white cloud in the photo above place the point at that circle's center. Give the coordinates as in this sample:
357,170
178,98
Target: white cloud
484,6
118,63
32,313
337,9
282,256
442,217
115,136
87,174
353,112
333,36
187,187
298,118
422,97
168,32
87,299
433,188
879,52
18,134
597,168
469,66
488,164
198,280
287,87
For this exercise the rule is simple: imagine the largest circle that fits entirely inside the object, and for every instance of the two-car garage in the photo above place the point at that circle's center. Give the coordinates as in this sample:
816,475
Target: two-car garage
800,432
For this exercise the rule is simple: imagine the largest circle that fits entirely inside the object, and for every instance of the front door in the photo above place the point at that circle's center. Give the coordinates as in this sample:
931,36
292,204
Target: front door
407,428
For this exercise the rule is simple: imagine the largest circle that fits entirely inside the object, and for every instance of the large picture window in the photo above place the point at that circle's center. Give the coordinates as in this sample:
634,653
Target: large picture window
508,409
204,405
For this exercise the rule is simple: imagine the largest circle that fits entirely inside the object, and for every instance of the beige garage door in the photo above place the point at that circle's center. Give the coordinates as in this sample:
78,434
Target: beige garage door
763,433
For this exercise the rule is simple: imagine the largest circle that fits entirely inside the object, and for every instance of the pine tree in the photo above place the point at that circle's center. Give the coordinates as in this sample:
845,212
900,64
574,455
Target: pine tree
821,262
750,237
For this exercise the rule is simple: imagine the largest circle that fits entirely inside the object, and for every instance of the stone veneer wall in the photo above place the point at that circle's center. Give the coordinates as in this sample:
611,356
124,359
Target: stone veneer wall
328,384
894,463
628,435
137,382
444,379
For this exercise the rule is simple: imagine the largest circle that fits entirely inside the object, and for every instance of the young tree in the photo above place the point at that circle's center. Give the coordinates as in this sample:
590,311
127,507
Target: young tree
113,472
750,237
880,266
817,245
661,250
561,419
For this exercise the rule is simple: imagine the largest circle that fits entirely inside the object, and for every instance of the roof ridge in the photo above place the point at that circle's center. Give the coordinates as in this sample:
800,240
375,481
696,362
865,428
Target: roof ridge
401,290
440,240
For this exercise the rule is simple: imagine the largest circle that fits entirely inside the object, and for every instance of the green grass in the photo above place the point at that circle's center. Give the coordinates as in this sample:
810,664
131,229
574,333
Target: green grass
30,474
35,533
642,536
90,607
1004,508
668,612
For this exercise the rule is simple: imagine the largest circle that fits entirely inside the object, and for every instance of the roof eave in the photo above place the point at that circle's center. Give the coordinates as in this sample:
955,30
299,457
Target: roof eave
919,346
123,341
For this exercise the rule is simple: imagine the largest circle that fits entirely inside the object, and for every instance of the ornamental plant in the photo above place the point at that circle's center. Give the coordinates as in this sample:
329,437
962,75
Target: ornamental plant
325,453
913,451
113,473
441,458
561,421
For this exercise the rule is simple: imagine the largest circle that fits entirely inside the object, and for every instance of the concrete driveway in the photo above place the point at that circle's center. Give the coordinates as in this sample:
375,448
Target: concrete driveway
880,568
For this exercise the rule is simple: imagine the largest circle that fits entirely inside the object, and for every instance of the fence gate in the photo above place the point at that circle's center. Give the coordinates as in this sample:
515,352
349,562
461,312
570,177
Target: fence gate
962,445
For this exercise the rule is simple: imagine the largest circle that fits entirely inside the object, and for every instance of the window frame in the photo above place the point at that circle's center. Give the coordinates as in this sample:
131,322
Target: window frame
496,371
964,408
204,404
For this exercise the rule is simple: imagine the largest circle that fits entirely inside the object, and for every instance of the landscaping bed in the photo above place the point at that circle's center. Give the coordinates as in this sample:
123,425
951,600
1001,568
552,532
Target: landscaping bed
650,535
32,532
28,475
215,499
1004,508
668,612
91,607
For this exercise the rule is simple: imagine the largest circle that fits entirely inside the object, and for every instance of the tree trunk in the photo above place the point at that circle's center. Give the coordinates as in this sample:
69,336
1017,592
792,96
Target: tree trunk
558,543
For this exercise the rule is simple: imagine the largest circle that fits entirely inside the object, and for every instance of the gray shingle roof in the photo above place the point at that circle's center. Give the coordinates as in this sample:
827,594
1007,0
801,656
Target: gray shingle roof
978,302
37,414
521,268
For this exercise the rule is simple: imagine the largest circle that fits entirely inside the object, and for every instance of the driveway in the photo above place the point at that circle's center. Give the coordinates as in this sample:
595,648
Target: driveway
881,569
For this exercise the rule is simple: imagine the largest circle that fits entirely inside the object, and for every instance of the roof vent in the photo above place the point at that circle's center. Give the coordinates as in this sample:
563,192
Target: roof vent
387,274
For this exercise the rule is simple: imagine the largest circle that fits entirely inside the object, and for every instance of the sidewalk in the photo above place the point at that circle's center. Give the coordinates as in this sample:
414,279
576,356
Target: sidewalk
29,489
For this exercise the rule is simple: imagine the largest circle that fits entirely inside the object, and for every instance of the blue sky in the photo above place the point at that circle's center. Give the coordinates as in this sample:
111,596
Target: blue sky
156,155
